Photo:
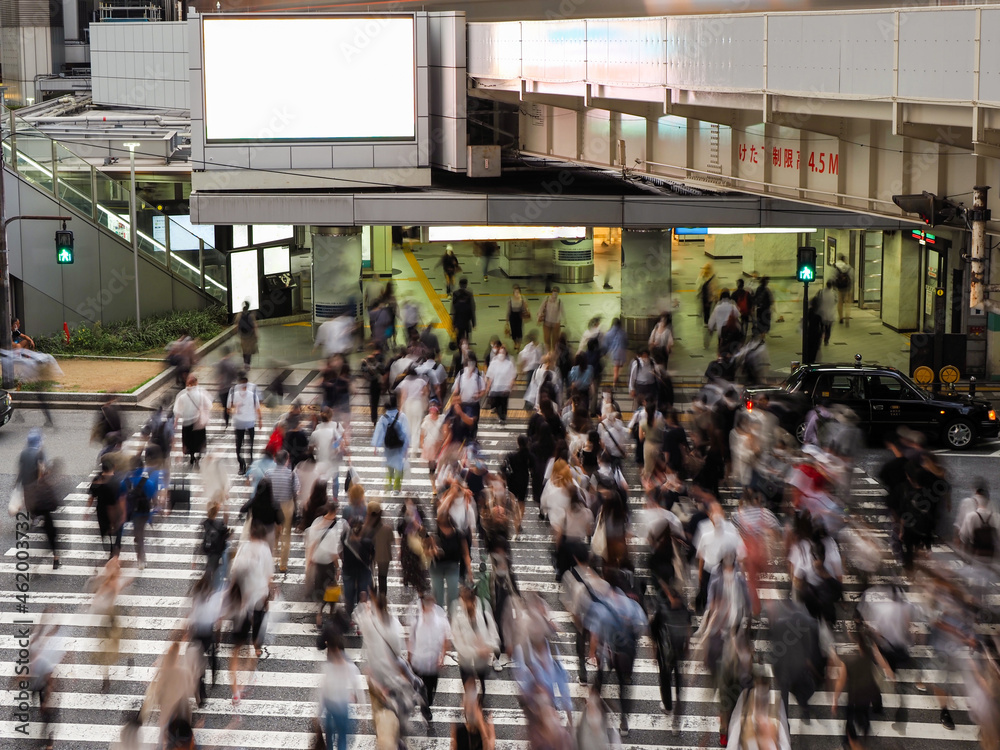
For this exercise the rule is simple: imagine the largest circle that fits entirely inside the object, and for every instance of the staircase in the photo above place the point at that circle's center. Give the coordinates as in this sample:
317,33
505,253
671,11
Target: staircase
92,197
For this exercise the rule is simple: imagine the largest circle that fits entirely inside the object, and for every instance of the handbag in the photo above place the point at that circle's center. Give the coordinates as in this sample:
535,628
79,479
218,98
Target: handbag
16,504
599,541
525,312
331,594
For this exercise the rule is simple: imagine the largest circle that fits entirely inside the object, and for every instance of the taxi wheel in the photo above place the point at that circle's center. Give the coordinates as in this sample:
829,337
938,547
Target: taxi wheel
959,434
800,432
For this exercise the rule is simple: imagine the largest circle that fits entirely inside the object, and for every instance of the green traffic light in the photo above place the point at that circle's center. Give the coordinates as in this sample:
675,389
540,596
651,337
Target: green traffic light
64,247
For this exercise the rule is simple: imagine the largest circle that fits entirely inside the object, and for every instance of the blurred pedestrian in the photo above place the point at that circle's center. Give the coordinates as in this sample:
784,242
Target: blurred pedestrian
246,328
192,410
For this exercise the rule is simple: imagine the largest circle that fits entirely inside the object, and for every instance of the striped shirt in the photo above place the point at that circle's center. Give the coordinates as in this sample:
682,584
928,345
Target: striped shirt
284,484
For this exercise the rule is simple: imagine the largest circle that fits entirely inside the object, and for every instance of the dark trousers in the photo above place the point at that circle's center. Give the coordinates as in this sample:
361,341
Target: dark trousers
463,331
383,579
465,674
500,405
582,646
374,394
224,400
49,529
670,670
430,685
240,435
472,409
208,647
622,664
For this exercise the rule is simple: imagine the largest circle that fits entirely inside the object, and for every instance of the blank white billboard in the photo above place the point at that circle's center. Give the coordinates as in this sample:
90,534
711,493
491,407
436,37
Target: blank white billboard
280,78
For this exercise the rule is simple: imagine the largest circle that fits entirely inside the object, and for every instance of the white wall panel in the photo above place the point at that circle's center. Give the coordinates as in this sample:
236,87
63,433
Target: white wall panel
554,51
495,50
937,54
989,56
140,65
830,54
629,51
717,52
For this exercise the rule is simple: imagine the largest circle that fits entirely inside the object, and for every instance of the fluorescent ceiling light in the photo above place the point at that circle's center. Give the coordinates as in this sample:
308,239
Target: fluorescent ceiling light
466,234
740,230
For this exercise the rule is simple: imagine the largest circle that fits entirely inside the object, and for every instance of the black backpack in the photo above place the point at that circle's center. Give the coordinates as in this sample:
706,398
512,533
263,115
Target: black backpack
393,439
245,326
984,537
214,540
842,280
136,499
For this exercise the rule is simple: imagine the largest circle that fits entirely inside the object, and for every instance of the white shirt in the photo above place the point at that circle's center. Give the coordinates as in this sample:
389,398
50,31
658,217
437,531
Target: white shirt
468,639
244,400
428,634
255,564
193,406
324,438
341,682
334,336
714,542
975,519
530,357
501,373
655,520
469,385
722,313
326,539
411,387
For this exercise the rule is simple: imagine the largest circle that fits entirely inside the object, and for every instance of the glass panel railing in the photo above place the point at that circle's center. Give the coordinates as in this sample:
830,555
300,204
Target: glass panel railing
93,193
215,273
73,174
34,155
184,252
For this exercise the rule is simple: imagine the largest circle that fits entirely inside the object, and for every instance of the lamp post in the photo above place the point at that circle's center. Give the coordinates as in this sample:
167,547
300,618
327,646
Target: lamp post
133,229
7,376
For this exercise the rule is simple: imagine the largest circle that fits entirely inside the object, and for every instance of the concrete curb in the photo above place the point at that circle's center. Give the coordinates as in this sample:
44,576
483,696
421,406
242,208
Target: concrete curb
63,400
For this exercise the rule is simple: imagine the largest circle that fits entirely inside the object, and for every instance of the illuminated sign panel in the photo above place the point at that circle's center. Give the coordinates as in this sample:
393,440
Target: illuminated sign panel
293,78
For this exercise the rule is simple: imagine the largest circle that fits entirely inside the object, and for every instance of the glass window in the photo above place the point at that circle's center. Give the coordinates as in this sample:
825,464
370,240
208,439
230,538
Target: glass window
890,388
839,386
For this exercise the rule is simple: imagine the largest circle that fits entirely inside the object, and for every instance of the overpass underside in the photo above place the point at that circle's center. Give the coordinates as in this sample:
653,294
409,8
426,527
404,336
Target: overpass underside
837,109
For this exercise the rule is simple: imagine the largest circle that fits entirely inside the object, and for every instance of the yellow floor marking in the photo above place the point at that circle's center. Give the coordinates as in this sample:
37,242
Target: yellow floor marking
425,284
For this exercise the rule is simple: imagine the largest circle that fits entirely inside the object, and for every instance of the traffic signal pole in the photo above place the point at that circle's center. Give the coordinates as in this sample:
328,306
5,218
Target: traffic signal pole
805,323
6,343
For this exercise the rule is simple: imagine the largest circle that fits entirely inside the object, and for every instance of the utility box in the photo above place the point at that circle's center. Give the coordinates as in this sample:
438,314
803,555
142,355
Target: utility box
484,161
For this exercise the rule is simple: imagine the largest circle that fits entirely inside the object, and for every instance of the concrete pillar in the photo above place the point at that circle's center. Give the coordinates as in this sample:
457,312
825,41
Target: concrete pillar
646,283
336,272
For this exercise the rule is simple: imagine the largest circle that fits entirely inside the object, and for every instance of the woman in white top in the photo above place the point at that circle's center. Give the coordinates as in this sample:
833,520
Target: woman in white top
250,588
340,688
500,376
475,636
412,392
555,494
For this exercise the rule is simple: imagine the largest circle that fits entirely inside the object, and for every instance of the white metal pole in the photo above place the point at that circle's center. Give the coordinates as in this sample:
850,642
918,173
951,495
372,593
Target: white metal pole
134,229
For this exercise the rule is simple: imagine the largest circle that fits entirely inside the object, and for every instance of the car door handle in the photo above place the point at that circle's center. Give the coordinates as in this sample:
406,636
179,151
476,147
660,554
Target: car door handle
877,406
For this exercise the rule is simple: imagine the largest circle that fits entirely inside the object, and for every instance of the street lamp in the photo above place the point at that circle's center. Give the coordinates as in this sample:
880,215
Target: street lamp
132,224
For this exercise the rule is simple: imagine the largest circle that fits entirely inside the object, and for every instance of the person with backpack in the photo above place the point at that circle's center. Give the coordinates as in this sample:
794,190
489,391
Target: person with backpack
246,327
616,623
392,434
763,308
244,406
725,320
843,280
141,489
978,532
192,410
743,299
670,628
357,556
214,540
449,264
463,311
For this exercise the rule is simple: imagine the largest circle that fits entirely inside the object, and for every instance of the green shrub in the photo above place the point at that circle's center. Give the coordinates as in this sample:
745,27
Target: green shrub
123,338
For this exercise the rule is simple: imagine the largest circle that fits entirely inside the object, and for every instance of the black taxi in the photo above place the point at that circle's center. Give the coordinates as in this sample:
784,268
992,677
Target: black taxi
883,398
